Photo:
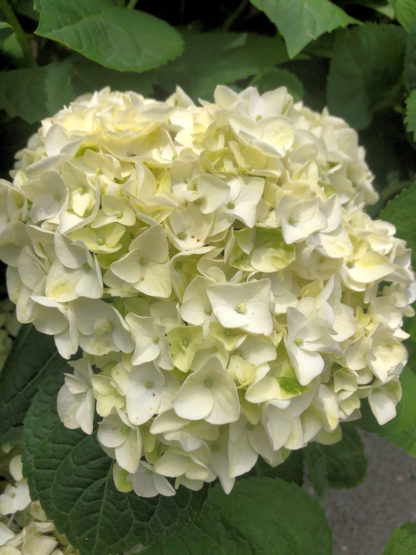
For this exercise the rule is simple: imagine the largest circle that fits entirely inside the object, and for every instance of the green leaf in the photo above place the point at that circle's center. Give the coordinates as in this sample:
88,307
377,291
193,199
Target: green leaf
276,77
52,86
400,212
87,77
32,360
316,468
402,541
127,40
409,73
47,87
12,48
214,58
410,118
301,21
340,465
402,429
291,470
25,7
312,74
72,477
5,29
365,72
260,515
346,464
405,11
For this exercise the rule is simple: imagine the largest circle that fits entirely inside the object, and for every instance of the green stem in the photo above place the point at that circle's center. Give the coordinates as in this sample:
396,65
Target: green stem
234,15
18,29
132,4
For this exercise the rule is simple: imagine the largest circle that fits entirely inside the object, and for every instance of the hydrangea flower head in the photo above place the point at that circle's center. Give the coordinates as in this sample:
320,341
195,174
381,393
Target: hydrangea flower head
231,297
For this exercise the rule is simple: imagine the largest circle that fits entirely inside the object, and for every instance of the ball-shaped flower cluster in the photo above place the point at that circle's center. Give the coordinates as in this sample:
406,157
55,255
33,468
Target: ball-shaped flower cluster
216,267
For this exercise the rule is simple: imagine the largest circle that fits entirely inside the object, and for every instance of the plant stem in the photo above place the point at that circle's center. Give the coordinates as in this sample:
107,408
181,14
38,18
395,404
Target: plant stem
132,4
234,15
18,29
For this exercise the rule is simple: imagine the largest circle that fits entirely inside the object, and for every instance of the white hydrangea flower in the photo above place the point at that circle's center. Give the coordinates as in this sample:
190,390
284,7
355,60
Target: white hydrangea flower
216,267
24,528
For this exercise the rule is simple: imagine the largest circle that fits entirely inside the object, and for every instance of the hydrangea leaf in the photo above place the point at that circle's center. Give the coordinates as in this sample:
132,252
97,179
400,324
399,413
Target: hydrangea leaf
73,479
411,114
32,360
340,465
276,77
316,469
56,84
217,57
47,88
365,72
346,464
127,40
400,211
402,429
301,21
5,29
402,541
291,470
234,523
405,11
409,72
87,77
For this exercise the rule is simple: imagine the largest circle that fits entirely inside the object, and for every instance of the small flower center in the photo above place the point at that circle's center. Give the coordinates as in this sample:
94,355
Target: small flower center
102,325
149,384
208,383
241,308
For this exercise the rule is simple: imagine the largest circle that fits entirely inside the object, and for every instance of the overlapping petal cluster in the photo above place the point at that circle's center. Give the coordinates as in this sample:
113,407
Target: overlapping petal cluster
215,264
24,527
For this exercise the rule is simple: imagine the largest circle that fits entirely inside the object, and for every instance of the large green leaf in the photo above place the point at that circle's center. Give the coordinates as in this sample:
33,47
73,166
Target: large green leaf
87,77
52,86
411,114
301,21
291,470
402,541
127,40
402,429
315,463
276,77
365,72
214,58
260,515
405,11
72,477
346,464
341,465
409,73
400,211
32,360
46,87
